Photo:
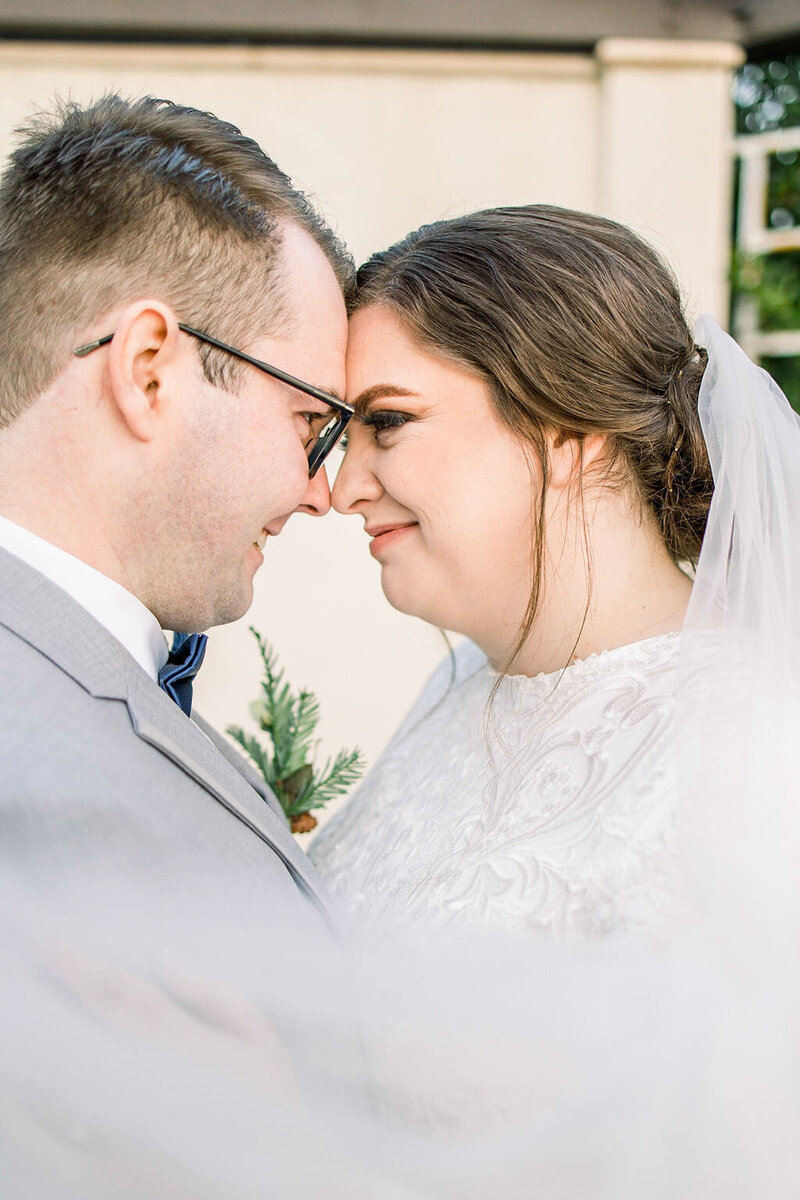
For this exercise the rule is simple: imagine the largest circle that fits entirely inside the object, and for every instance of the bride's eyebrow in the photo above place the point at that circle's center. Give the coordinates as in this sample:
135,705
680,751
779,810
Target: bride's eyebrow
378,391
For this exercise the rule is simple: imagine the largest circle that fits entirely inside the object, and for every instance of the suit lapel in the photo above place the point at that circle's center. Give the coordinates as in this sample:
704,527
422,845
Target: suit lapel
159,722
45,617
240,764
39,612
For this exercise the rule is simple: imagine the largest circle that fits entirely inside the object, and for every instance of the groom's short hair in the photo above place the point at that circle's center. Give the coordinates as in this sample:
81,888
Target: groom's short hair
104,204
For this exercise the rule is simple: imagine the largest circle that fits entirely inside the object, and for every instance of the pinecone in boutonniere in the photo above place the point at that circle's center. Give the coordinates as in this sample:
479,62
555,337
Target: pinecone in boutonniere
287,763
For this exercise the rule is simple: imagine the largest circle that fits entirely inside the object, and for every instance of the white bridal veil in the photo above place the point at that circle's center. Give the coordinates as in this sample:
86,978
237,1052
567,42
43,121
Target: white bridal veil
398,1067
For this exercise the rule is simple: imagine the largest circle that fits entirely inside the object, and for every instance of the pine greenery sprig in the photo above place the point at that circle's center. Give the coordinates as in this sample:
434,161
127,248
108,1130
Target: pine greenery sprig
287,764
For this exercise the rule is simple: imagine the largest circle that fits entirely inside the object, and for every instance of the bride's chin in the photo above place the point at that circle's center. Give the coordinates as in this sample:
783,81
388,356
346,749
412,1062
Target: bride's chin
413,601
399,600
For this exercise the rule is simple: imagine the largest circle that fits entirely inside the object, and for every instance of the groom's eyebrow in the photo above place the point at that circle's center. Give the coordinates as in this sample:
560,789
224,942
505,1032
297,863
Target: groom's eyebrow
378,391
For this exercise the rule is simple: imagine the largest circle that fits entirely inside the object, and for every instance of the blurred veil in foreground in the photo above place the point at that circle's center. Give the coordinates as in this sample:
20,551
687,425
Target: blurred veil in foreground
153,1050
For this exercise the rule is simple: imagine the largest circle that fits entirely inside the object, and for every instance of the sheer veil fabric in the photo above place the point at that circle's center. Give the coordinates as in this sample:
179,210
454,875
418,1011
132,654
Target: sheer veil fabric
738,740
403,1066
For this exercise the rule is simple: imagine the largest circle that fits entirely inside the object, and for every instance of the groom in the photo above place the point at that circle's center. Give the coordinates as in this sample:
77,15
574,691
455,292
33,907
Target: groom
144,469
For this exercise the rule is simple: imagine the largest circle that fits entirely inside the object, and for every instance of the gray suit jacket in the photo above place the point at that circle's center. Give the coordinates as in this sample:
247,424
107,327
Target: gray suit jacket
161,933
101,771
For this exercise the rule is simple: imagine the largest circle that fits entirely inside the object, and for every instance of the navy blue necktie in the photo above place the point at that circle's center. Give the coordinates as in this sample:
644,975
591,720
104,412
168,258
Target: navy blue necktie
184,661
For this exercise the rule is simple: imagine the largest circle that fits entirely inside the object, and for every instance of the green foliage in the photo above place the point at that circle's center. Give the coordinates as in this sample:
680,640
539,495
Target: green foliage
773,281
767,97
786,373
287,762
783,191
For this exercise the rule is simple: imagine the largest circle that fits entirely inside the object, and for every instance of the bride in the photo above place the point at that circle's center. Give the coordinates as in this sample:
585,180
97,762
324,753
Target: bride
530,468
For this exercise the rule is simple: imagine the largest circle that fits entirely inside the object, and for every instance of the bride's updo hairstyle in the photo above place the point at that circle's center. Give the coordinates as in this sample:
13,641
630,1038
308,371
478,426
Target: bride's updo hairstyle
576,326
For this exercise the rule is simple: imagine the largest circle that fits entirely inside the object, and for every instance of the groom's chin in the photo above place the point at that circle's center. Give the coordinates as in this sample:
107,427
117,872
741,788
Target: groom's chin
230,602
233,606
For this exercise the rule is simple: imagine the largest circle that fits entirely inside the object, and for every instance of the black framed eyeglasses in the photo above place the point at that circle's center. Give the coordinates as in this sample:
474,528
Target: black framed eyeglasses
327,428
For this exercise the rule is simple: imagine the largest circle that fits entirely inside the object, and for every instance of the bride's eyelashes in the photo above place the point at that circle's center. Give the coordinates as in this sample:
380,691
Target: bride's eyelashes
382,420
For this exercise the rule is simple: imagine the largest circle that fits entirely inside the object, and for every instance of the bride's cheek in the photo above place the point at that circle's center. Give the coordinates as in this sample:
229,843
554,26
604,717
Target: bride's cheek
402,478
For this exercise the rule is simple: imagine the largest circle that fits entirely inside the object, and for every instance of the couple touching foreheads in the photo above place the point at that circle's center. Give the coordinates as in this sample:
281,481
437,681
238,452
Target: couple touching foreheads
525,454
539,449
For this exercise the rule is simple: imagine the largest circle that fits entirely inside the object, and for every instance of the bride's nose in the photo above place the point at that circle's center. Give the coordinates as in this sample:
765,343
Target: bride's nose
355,482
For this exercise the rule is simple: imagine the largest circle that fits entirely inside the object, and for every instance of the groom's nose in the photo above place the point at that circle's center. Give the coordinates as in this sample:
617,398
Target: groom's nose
317,500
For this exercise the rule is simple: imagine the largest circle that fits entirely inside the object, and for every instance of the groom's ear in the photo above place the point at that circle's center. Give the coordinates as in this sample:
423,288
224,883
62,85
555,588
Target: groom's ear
571,455
144,365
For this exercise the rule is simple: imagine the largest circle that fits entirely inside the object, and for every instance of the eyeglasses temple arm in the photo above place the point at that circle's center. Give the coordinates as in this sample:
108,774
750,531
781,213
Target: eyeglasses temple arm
276,373
82,351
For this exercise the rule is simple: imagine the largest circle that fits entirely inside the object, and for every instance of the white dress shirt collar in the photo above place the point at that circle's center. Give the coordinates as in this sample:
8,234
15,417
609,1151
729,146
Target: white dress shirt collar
125,617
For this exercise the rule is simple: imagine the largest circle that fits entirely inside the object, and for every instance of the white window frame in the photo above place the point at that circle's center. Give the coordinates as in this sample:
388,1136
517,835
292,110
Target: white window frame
755,237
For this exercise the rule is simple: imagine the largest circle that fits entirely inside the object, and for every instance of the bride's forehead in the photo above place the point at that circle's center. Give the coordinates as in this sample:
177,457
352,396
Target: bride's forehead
377,325
381,351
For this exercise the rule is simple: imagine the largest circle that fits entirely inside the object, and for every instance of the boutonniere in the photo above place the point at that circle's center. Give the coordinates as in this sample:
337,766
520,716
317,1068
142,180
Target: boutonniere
287,760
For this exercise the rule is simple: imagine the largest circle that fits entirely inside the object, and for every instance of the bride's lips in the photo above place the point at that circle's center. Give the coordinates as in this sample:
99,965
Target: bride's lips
383,535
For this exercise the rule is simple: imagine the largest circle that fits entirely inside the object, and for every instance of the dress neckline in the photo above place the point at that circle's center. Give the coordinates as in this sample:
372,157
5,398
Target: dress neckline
643,649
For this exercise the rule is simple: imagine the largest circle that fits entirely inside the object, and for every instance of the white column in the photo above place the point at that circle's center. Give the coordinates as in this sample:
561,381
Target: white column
666,164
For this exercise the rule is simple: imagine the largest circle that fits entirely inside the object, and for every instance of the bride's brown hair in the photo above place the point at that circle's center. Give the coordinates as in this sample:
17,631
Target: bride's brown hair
576,326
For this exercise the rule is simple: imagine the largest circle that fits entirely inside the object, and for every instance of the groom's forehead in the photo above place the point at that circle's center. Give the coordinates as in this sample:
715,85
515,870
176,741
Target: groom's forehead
304,330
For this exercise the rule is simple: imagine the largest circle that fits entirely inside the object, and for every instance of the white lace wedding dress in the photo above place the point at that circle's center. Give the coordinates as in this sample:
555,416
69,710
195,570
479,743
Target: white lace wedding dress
552,807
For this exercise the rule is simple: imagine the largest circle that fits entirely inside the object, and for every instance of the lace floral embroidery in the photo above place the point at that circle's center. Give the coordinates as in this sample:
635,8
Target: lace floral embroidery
555,810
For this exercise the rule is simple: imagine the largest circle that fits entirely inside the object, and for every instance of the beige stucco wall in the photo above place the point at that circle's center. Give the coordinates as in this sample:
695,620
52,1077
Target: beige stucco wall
385,141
